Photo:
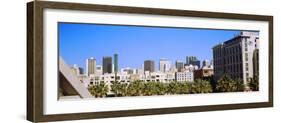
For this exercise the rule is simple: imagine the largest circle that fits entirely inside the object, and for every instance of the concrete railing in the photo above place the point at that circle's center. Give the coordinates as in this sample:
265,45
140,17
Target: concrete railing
73,80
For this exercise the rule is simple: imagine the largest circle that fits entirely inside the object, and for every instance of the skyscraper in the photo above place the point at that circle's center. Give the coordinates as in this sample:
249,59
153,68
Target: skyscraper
179,65
205,63
235,56
77,70
164,65
115,63
194,61
91,66
107,64
187,60
149,65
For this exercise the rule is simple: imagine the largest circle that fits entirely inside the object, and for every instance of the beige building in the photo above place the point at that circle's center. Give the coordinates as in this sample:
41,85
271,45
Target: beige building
77,70
204,72
256,63
91,66
235,56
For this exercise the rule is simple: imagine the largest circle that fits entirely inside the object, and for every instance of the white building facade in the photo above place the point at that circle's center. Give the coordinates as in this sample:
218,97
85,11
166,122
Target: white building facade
164,65
184,76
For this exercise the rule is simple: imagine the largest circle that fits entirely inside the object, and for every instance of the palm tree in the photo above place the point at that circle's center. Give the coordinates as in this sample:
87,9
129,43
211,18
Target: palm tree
99,90
122,89
135,88
254,84
206,86
161,88
174,88
119,89
185,88
240,86
114,88
226,84
201,86
149,89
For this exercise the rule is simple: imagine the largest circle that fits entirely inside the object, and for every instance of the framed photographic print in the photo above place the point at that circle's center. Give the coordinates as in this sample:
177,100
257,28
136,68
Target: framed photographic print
90,61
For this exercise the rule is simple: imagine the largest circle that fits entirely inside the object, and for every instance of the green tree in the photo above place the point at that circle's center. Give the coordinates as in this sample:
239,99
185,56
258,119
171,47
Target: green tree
201,86
226,84
174,88
254,84
240,85
149,88
184,88
114,88
119,89
99,90
161,88
135,88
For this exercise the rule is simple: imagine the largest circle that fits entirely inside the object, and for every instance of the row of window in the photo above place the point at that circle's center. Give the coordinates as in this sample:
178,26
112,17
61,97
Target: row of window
234,68
232,50
227,51
233,59
236,76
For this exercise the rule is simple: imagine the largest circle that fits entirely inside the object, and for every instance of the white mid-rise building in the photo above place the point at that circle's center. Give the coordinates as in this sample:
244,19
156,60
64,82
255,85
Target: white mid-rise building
184,76
77,70
164,65
98,70
190,68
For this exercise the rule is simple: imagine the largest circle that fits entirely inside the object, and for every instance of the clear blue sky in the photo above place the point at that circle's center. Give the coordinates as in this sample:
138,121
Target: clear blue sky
134,44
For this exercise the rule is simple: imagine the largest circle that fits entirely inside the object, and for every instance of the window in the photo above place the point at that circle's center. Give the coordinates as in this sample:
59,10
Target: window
247,67
246,46
246,56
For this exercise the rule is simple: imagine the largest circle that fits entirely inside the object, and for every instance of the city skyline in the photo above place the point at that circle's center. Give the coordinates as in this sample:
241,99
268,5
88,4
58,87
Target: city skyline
157,64
105,40
234,68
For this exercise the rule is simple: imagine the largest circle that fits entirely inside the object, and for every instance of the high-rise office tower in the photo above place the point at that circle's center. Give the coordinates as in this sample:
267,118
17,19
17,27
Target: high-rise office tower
91,66
115,63
164,65
149,66
107,64
179,65
205,63
186,60
194,61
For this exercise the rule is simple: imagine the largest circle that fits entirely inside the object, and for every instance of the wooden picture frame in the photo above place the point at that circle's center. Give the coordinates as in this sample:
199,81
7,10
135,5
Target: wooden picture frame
35,62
